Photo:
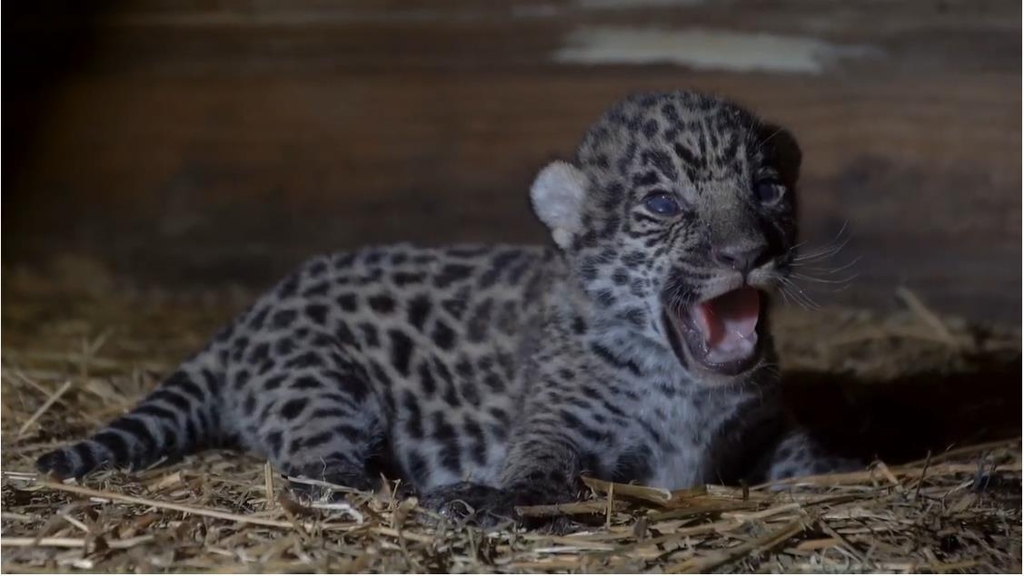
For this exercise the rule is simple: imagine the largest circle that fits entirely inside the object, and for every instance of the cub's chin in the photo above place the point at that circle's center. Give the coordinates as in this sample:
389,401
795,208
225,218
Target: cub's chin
719,336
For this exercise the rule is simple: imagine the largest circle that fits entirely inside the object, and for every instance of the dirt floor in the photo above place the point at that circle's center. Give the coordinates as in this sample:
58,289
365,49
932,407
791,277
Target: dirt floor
934,402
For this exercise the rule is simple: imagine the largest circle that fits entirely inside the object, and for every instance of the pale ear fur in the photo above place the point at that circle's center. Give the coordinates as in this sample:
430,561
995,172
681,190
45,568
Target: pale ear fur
557,195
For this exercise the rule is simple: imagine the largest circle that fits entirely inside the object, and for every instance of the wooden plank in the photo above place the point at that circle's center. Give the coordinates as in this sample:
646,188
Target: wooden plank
210,142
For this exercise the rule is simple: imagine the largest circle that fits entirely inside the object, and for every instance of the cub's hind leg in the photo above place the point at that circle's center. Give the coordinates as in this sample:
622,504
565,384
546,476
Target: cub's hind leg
312,411
798,453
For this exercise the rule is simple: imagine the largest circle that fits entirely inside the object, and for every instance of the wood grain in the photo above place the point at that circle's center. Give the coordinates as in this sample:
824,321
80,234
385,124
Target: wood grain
214,141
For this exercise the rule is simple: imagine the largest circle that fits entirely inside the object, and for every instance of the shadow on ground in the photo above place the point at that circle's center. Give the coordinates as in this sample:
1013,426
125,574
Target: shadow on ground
909,415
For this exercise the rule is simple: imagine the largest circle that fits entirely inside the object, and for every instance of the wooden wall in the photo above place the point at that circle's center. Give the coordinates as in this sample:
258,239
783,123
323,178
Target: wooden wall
205,141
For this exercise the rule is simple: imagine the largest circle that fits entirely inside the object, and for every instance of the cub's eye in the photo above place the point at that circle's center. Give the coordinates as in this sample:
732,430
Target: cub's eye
768,191
663,204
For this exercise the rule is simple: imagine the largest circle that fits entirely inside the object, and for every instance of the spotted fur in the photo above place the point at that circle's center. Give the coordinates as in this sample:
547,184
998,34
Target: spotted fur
494,376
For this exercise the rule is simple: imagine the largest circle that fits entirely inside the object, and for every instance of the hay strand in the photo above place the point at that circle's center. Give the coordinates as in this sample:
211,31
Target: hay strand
952,510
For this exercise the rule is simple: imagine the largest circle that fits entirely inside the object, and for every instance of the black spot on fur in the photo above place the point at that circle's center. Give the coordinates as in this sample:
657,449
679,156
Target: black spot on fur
470,393
284,347
181,381
620,276
373,257
451,455
452,273
344,335
318,267
341,261
685,154
283,318
238,348
305,383
649,178
173,398
116,443
317,313
329,412
401,351
414,422
417,467
508,317
418,309
318,439
402,279
626,160
292,408
479,444
634,259
305,360
256,322
370,336
318,289
498,431
499,415
347,302
442,430
479,322
650,128
610,357
249,405
356,385
579,325
443,336
381,303
136,430
456,306
241,378
274,440
635,316
274,382
498,264
450,396
259,353
288,287
606,298
427,382
494,382
507,364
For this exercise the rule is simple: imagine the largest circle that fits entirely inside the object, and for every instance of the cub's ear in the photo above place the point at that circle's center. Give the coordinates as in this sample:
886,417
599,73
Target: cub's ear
784,150
557,196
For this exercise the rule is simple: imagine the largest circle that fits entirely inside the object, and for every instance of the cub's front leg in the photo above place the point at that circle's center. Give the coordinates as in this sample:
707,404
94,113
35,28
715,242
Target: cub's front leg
542,467
798,453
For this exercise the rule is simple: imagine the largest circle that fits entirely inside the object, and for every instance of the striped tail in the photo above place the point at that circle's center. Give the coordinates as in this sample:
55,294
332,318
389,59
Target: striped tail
181,416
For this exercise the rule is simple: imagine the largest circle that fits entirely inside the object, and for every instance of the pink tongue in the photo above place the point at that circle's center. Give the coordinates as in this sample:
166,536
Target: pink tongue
729,319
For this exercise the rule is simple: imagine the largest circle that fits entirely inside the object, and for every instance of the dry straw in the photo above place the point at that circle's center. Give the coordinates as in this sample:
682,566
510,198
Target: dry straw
952,511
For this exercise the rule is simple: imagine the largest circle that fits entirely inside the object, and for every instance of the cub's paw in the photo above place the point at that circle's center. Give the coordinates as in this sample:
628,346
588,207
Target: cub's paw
486,506
61,463
74,461
466,502
316,481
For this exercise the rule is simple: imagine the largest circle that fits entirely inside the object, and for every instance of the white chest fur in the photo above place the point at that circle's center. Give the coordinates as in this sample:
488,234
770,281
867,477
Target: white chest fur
692,427
680,461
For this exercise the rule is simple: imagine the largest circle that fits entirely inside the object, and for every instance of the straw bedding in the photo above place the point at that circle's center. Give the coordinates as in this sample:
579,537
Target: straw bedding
933,402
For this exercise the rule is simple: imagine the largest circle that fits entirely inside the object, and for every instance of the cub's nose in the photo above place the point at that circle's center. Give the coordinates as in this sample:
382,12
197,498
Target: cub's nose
740,256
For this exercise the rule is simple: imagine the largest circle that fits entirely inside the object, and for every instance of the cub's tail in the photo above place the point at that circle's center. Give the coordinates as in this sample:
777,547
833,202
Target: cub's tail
181,416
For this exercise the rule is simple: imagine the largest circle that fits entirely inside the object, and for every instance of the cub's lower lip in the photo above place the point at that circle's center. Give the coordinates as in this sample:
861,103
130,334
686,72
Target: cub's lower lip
720,333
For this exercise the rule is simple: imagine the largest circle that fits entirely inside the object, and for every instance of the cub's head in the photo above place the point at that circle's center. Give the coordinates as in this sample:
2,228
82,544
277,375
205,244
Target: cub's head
677,218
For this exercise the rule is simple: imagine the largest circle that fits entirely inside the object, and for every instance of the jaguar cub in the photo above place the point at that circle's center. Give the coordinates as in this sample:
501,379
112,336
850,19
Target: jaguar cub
633,349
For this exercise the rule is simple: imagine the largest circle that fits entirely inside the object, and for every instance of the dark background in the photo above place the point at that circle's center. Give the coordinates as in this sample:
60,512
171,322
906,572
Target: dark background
200,142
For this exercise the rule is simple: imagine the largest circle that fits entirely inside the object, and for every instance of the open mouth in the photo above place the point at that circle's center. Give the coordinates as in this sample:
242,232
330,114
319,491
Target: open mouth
720,333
